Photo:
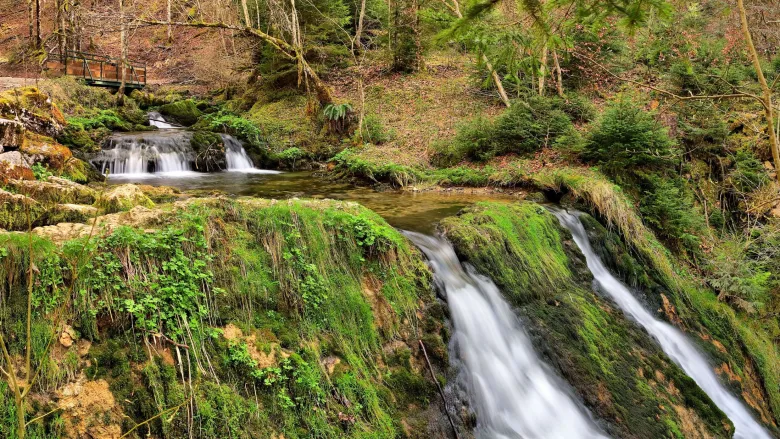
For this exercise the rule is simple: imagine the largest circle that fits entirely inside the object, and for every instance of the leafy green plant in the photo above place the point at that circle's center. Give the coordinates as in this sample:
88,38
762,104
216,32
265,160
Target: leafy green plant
338,116
40,171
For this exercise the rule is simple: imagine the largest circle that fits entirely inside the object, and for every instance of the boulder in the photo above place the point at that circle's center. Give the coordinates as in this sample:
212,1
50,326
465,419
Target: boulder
42,149
11,134
55,190
13,166
123,197
185,112
15,210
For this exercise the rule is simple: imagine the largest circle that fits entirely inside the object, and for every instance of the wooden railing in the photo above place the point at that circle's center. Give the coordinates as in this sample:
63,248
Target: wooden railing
98,70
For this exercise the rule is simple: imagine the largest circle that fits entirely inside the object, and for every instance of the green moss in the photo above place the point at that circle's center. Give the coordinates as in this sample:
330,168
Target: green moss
308,280
185,112
610,361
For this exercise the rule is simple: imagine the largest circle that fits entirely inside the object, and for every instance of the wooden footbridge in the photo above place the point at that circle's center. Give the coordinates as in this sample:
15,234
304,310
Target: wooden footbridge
98,70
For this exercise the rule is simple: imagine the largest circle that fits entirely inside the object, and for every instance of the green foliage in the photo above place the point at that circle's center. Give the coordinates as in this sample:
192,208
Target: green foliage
524,128
626,139
40,171
225,122
374,132
290,157
168,292
748,173
668,208
337,111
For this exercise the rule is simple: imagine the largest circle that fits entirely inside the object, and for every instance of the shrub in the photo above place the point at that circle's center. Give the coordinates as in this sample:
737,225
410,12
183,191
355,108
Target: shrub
374,132
668,208
525,127
748,174
628,138
228,123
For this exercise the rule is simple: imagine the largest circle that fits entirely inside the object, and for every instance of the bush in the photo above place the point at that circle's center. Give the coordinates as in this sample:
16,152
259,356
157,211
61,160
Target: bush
668,208
628,138
748,174
524,128
374,132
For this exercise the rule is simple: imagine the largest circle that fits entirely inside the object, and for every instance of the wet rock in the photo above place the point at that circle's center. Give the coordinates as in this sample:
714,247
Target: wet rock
123,197
11,134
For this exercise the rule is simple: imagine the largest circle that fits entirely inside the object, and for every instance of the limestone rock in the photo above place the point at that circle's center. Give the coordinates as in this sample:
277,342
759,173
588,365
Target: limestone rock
55,190
123,197
14,210
14,166
89,410
11,134
67,336
42,149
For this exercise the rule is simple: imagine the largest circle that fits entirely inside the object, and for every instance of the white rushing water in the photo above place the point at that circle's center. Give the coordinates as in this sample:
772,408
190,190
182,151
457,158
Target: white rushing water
134,154
672,341
512,391
237,159
157,120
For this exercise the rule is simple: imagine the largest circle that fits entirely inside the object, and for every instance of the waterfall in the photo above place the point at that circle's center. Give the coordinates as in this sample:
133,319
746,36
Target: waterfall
157,120
237,159
235,154
672,341
144,153
512,391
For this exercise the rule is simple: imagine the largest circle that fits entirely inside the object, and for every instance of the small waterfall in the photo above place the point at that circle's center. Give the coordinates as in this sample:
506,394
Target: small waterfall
157,120
672,341
144,153
512,391
235,154
238,160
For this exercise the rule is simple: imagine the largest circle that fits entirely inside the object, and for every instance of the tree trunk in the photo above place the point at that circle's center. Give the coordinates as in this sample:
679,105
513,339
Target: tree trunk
120,94
558,74
766,92
31,19
38,24
359,31
543,70
170,27
247,20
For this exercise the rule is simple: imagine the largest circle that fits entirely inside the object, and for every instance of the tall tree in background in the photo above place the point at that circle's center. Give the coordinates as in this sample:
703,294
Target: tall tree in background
120,94
405,40
766,91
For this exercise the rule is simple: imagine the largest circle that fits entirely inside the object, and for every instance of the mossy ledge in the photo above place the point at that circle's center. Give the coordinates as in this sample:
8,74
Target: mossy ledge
242,318
619,372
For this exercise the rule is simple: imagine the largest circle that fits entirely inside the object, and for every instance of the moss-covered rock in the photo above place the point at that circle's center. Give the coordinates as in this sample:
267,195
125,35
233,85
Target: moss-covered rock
32,108
121,198
619,372
11,134
184,112
209,151
304,315
54,190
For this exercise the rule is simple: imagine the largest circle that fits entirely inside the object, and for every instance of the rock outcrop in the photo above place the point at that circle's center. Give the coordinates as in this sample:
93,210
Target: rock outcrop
11,134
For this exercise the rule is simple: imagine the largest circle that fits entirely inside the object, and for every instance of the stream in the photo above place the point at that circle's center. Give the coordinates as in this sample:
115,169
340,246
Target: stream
673,342
513,393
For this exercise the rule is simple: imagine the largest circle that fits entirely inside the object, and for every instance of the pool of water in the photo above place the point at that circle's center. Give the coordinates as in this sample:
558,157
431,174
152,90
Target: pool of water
416,211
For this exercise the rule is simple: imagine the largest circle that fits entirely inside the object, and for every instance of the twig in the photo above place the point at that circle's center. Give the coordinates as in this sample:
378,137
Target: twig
438,386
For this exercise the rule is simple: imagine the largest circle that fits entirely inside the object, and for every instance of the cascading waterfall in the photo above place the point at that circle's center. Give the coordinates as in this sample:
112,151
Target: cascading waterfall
157,120
237,159
235,154
672,341
512,392
149,152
